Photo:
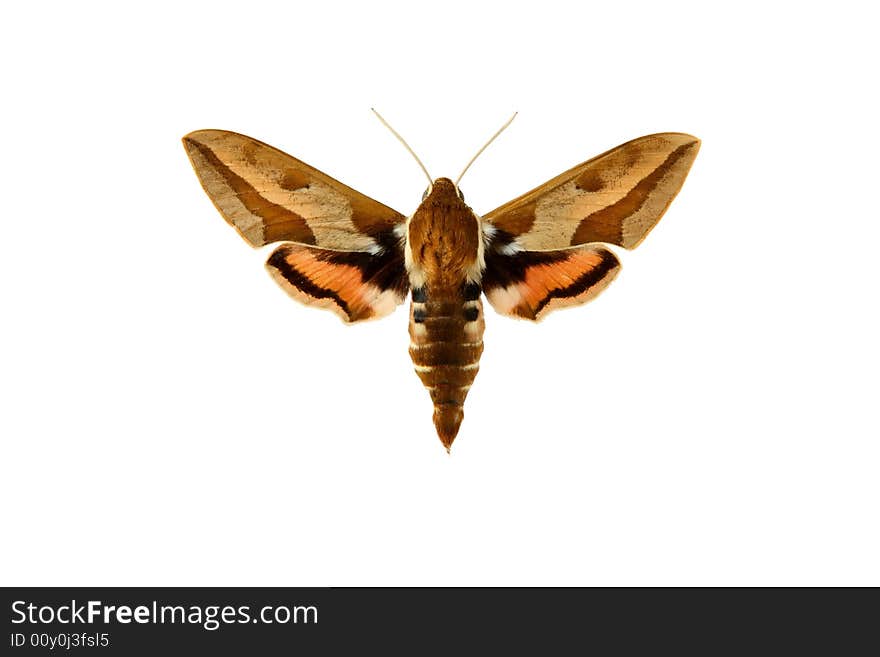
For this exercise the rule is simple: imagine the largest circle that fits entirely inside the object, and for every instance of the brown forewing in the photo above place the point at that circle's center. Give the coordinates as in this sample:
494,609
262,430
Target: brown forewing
270,196
615,198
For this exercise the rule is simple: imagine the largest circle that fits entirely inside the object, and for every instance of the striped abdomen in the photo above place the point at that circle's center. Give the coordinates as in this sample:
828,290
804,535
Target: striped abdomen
446,341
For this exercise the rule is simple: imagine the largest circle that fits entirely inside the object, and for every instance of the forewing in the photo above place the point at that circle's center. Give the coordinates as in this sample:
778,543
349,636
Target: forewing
615,198
269,196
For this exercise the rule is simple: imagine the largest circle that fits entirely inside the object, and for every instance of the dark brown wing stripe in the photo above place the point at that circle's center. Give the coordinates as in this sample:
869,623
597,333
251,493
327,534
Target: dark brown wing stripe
279,222
606,225
616,197
269,196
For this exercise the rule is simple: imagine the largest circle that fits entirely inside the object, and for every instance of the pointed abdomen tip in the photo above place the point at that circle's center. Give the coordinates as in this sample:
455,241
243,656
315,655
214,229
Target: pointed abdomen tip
447,420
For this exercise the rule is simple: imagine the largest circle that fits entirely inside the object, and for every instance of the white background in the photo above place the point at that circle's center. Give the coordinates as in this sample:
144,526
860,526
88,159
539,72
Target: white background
169,416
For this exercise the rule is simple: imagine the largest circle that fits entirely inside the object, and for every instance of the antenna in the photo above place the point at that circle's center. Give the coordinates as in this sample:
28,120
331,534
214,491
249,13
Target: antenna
485,146
405,145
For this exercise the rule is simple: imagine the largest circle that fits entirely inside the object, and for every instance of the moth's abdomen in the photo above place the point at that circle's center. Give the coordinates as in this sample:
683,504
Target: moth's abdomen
446,341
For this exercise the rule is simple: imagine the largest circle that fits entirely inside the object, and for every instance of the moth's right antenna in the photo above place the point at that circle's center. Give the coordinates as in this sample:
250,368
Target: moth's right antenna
405,145
485,146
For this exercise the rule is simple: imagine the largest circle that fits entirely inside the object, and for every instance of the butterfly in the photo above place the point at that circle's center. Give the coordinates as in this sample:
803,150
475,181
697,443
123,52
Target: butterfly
345,252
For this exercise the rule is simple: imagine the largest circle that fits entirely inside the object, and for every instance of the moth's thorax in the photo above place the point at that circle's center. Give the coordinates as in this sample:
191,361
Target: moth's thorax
444,240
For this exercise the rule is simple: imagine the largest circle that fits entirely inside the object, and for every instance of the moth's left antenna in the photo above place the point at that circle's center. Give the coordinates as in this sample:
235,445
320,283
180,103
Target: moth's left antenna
405,145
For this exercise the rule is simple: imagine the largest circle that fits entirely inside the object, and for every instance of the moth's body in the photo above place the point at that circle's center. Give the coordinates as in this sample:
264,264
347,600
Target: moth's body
444,262
350,254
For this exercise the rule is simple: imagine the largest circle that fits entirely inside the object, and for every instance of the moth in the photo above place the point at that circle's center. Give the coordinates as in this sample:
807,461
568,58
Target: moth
350,254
